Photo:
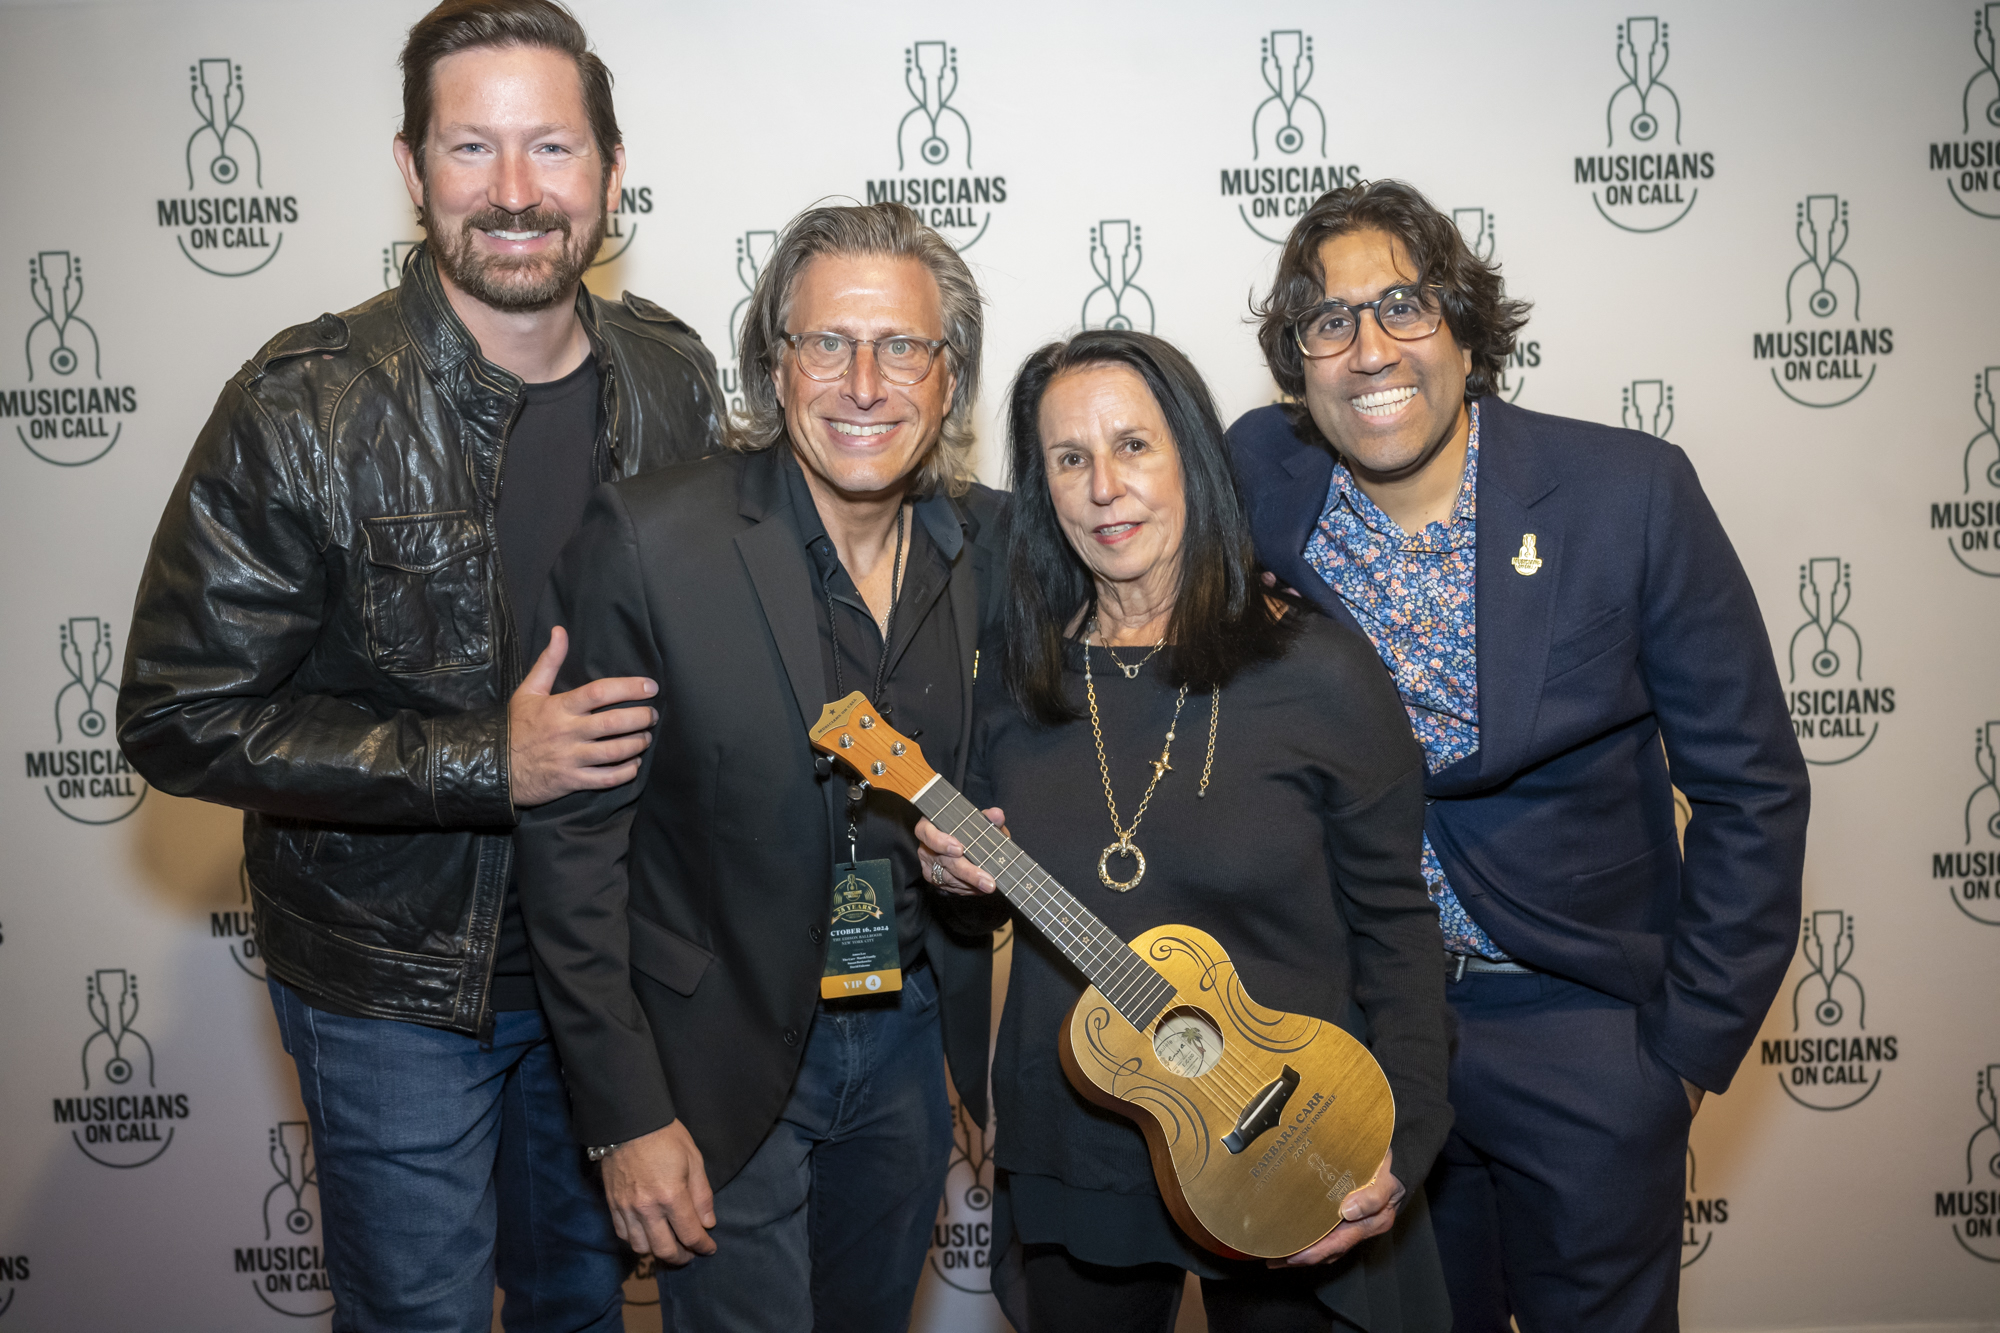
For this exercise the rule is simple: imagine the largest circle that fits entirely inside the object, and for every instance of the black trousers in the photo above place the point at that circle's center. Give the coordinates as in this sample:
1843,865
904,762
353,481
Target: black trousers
1065,1294
1558,1197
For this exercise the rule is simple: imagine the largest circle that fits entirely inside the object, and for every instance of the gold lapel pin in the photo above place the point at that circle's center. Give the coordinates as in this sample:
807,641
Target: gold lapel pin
1527,562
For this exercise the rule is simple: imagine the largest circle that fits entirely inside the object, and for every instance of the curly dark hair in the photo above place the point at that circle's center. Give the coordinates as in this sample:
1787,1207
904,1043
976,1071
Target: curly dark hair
1477,310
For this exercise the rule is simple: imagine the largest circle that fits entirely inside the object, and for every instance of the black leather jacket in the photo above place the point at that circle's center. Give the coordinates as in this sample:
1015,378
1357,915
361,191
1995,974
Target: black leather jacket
321,636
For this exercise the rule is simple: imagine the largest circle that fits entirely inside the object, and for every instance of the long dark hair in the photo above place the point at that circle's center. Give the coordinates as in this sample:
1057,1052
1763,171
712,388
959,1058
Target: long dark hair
1221,621
1481,316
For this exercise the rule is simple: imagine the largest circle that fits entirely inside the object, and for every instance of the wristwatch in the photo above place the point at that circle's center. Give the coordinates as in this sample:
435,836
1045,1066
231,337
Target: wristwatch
599,1154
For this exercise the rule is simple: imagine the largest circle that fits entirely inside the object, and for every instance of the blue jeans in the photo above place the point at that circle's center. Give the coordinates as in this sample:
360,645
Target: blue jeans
442,1162
827,1225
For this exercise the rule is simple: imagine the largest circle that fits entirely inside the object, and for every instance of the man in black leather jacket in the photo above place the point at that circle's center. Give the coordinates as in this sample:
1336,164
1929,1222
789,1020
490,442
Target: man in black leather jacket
328,636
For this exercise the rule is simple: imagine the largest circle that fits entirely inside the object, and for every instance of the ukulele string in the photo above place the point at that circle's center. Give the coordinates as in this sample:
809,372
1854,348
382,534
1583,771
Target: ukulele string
1236,1077
1231,1072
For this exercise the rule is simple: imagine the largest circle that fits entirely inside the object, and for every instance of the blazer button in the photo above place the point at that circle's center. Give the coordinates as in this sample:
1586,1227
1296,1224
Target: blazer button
815,934
791,1036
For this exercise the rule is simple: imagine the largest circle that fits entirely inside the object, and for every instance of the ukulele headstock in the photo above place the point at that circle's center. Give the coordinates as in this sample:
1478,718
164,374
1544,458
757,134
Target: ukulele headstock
853,732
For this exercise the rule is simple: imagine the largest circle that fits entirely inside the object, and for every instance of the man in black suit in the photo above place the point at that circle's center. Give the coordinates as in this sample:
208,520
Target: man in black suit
1556,600
781,1153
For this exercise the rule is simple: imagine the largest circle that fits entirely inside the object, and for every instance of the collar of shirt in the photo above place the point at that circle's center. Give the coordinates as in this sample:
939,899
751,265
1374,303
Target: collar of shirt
1460,532
936,512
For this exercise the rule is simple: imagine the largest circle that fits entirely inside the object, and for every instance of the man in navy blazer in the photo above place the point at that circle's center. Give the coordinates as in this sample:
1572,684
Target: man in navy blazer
1556,600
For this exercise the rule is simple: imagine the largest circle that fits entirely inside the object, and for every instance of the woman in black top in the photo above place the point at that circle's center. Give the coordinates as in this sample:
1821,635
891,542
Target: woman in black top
1287,823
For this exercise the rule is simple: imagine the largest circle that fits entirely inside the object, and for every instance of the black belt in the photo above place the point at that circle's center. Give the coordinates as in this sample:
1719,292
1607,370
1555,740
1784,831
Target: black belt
1458,964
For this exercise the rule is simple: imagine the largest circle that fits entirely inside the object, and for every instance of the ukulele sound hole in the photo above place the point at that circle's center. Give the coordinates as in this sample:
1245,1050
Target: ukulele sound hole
1187,1042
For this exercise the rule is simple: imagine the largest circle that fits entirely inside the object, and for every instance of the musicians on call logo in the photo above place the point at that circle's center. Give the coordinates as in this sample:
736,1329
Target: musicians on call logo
1831,1058
1647,405
1971,520
64,413
86,777
962,1241
1836,711
936,171
1973,1209
122,1119
1971,163
622,227
753,251
1117,301
13,1269
1644,178
286,1268
1824,356
1701,1214
226,224
1288,166
394,255
238,928
1971,871
1477,227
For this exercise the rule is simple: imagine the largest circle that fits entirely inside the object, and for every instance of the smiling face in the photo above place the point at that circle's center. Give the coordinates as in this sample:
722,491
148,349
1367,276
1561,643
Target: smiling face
1389,407
514,191
861,436
1115,478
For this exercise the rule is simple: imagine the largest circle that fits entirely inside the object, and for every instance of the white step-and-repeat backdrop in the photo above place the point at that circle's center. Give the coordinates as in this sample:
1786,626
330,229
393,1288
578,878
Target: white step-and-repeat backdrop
1770,234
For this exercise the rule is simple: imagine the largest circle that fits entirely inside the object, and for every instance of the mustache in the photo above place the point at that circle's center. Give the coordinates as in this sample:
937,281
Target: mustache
493,218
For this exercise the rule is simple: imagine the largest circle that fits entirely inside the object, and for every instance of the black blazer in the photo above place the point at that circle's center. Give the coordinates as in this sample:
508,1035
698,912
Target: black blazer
677,921
1558,833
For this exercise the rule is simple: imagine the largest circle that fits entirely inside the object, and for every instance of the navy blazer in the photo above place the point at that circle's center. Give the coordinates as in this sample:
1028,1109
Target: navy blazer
1558,833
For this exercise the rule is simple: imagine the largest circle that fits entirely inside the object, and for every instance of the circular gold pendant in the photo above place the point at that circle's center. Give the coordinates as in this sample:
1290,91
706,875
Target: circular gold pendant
1104,871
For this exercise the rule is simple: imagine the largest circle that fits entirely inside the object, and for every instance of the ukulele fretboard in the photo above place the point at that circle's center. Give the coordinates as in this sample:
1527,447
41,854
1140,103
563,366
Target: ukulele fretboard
1127,980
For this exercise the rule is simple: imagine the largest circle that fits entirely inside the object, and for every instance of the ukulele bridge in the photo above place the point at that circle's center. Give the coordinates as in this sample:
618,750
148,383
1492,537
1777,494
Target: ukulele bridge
1263,1111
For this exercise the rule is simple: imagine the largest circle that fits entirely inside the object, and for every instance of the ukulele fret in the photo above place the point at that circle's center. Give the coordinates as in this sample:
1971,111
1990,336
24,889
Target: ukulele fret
1135,989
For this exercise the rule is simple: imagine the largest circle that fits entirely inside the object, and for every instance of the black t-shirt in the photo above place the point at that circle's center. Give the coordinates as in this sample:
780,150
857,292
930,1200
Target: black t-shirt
546,476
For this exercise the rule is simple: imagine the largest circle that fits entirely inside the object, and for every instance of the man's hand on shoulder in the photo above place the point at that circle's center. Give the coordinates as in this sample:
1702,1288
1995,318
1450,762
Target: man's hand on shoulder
658,1191
560,743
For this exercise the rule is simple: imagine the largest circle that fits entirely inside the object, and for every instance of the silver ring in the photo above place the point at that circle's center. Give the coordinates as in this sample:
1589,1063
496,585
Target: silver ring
937,873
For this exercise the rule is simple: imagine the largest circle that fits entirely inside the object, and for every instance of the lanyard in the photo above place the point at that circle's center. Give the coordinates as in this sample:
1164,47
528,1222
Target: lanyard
881,665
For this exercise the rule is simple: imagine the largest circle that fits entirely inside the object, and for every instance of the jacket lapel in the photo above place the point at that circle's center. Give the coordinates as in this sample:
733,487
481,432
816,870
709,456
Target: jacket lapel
1288,504
776,563
1516,610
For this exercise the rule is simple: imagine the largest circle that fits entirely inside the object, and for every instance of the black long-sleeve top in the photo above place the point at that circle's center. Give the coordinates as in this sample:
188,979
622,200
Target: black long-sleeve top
1302,861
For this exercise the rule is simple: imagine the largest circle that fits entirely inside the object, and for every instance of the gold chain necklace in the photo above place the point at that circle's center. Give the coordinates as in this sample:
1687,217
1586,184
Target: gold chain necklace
1124,844
1131,671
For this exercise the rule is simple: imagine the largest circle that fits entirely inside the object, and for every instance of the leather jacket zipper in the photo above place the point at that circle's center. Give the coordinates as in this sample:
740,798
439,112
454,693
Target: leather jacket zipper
511,675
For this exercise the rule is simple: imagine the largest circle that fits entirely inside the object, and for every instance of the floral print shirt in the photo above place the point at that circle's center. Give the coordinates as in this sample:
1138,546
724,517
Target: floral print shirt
1413,594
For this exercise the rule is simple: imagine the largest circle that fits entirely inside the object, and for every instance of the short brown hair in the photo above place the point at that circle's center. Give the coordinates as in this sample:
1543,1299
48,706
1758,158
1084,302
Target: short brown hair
861,229
1482,318
466,25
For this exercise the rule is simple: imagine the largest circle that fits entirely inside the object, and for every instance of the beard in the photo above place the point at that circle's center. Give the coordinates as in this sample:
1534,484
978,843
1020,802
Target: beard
515,282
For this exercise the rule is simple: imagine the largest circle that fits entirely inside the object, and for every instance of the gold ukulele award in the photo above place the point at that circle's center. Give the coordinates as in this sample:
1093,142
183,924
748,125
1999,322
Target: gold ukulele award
862,952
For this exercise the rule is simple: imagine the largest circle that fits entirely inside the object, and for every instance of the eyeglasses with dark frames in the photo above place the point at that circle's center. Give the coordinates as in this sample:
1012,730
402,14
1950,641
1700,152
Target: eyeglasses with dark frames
1404,313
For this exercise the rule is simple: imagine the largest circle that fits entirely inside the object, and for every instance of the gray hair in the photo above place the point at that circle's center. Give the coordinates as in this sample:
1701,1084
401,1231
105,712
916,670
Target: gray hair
871,229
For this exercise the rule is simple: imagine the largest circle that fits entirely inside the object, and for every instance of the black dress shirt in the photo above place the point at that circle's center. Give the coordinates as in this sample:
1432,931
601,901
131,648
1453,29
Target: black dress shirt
921,695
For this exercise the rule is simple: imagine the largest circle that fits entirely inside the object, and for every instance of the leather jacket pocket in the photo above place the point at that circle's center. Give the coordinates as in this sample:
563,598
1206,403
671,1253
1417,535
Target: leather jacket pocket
426,588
